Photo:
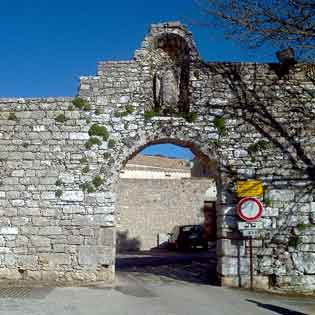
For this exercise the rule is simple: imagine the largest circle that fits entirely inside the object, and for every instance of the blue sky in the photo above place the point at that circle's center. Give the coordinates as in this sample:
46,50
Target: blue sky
170,150
47,45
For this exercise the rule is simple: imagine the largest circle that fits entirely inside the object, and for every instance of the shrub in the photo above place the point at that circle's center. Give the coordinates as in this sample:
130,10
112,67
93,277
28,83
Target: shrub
150,114
214,142
190,117
80,103
91,189
58,182
219,123
261,145
85,169
61,118
98,130
12,116
294,241
98,112
111,143
58,193
92,141
130,109
84,160
88,187
98,181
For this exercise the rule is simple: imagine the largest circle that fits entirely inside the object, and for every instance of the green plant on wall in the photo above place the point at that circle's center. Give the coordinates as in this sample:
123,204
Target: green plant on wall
92,141
98,130
88,187
61,118
129,109
150,114
111,143
303,226
91,187
98,181
214,142
219,123
259,146
294,241
85,169
58,182
58,193
82,104
84,160
268,202
190,117
12,116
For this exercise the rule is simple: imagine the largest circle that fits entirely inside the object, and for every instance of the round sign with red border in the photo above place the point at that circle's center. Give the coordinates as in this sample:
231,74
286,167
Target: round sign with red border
249,209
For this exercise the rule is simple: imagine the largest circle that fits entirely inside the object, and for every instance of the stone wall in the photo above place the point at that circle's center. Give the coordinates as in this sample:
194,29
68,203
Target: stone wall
59,172
50,230
147,208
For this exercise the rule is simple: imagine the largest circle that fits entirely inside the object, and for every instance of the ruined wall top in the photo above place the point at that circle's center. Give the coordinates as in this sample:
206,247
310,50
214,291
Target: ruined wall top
172,34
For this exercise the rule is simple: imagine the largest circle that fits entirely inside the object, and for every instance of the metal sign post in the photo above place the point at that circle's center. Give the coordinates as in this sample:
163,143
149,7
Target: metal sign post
250,210
251,267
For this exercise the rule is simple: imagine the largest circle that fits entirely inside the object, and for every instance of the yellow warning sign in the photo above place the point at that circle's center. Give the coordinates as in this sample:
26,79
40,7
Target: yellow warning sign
249,188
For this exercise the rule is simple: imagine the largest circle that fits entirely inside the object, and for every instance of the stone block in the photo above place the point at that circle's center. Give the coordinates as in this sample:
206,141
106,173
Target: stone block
232,266
7,230
304,262
33,275
105,255
283,195
10,274
226,247
39,241
78,136
50,230
75,195
87,255
27,261
9,259
54,259
243,281
107,237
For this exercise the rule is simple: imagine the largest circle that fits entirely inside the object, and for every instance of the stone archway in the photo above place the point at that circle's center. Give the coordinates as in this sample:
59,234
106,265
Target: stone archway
206,155
143,215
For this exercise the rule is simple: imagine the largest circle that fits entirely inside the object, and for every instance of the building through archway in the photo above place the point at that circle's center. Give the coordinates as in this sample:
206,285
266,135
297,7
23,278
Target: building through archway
155,194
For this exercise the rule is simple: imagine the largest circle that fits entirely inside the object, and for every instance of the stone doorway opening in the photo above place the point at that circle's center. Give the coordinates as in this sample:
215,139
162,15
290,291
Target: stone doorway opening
166,192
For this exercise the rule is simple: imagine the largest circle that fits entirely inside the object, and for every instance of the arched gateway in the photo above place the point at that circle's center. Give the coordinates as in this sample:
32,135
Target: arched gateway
60,160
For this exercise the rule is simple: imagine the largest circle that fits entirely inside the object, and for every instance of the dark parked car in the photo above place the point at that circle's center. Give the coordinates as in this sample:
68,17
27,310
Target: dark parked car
187,237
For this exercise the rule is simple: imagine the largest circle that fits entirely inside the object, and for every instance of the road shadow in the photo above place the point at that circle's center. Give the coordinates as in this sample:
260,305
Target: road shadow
194,267
276,309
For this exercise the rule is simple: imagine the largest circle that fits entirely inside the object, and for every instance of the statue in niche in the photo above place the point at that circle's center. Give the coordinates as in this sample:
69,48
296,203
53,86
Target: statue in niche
167,90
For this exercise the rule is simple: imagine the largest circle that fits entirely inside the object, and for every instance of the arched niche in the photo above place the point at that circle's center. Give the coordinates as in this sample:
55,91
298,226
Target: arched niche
171,75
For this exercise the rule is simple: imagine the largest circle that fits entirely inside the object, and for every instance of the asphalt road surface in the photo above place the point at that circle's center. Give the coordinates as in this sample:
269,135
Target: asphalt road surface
179,287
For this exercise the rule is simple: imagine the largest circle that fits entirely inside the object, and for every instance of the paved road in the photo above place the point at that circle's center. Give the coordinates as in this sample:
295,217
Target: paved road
159,289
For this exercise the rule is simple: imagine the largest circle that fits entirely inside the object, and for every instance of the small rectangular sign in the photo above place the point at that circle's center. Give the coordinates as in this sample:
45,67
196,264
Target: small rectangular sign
250,232
249,188
250,225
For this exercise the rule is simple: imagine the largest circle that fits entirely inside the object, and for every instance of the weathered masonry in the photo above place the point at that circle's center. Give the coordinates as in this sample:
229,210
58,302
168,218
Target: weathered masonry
60,160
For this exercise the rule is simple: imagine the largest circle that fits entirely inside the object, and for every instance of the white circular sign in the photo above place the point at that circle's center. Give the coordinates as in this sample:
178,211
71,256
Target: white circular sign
249,209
